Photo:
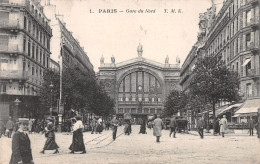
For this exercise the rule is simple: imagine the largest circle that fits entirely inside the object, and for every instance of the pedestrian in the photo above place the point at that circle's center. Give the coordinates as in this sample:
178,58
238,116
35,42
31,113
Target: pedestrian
93,125
21,145
223,125
251,126
9,127
200,127
143,127
216,126
99,128
16,126
77,138
158,125
2,128
114,123
50,143
127,127
30,126
107,123
173,126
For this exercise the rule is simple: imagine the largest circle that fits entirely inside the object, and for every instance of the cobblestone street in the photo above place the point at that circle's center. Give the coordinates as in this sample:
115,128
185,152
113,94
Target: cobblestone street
142,148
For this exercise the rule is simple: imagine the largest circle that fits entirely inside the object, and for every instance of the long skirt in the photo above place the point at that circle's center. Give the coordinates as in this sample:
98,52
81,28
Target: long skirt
77,141
142,129
50,144
99,128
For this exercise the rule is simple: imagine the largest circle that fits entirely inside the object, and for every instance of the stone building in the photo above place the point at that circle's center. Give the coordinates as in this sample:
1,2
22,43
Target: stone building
233,35
64,46
24,55
139,86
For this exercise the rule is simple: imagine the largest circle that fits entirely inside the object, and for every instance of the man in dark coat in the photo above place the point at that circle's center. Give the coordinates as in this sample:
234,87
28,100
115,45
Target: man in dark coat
200,127
216,126
114,123
21,145
173,126
251,126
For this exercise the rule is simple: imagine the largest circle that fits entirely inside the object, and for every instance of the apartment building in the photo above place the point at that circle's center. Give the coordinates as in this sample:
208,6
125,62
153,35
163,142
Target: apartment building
234,35
24,55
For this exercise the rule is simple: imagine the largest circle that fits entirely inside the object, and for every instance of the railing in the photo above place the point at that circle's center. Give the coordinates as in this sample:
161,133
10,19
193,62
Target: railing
26,3
9,47
254,21
250,72
10,24
13,74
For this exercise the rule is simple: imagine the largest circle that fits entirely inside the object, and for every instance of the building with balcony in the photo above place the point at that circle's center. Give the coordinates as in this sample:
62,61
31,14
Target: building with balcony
24,55
234,36
139,86
65,48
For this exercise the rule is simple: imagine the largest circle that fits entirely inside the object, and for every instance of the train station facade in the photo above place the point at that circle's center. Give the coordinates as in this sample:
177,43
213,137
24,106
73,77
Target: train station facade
139,86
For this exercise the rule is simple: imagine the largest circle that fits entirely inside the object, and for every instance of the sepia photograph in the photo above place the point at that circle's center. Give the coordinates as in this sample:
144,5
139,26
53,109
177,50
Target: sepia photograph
129,82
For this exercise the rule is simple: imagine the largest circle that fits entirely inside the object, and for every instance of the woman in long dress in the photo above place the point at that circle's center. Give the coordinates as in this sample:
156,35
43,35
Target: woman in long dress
50,143
77,139
143,127
99,126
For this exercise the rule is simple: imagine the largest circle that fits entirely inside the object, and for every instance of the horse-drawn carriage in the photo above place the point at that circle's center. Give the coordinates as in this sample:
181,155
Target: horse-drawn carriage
181,124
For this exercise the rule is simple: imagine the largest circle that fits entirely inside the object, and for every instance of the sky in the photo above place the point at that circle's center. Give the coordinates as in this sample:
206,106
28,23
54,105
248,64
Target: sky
119,33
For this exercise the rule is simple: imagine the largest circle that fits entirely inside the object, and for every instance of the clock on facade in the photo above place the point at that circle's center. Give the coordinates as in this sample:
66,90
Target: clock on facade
140,87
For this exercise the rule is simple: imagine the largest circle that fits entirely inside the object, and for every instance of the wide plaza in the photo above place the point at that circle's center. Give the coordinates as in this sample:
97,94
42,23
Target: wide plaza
142,148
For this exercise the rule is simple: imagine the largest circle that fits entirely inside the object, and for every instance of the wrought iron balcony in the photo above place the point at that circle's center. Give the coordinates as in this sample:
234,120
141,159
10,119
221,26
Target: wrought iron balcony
254,23
9,48
14,75
252,73
254,48
12,25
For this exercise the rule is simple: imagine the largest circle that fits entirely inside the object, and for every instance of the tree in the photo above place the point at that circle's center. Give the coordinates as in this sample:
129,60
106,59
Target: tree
175,102
80,91
46,93
214,82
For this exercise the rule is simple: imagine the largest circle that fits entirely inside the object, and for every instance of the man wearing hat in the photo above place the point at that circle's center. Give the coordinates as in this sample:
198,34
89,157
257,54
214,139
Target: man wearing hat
173,126
10,126
223,125
21,145
114,123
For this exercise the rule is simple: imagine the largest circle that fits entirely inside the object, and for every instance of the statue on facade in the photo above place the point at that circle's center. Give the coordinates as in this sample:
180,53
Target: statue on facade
102,60
167,60
140,50
113,59
178,60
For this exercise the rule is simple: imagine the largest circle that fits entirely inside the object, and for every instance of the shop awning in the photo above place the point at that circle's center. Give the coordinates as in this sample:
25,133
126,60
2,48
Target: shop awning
246,62
230,107
250,106
236,115
220,109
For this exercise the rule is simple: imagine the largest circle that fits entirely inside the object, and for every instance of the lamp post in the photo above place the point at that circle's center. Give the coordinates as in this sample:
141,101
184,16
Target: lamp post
51,87
15,113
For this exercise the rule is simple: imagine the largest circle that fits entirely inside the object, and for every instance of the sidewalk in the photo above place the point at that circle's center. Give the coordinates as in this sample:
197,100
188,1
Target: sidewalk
230,132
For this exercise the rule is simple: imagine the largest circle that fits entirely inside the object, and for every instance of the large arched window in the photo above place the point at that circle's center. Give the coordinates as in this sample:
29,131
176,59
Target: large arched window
140,86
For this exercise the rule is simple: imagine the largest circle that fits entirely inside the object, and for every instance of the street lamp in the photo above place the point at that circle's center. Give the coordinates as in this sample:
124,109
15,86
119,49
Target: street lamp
16,103
51,87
